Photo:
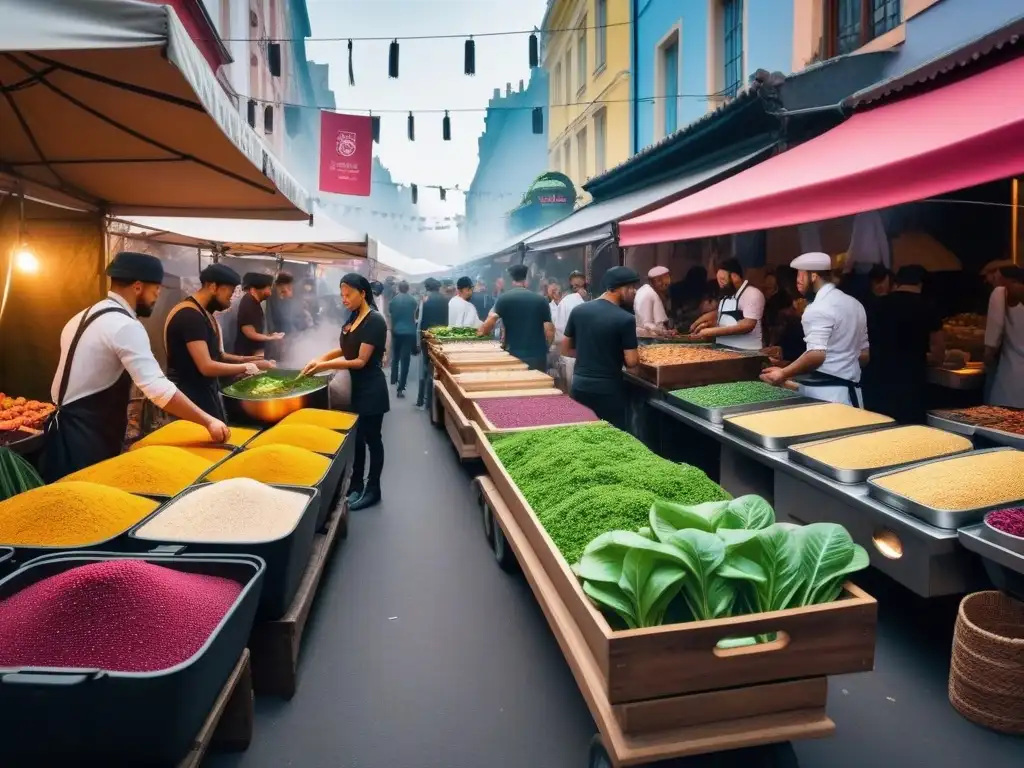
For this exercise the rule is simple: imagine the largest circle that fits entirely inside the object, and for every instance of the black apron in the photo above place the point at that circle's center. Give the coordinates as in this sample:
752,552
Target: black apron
204,392
92,428
737,313
819,379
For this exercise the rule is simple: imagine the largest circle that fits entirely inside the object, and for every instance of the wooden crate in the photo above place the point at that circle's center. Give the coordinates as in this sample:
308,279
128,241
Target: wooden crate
458,366
744,368
275,645
459,428
831,639
477,382
666,727
475,413
228,727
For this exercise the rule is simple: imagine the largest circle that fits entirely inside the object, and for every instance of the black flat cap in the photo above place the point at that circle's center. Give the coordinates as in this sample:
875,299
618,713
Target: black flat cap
432,284
616,277
257,280
464,282
221,274
132,266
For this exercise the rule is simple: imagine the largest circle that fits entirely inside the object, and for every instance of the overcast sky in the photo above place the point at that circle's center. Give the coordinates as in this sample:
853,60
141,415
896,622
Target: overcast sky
430,78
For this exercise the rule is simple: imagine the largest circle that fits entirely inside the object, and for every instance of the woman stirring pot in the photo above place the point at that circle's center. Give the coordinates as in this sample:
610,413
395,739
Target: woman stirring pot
363,339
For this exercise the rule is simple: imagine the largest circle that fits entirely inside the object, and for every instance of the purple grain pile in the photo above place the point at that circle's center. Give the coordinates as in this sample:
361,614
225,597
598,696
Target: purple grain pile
1009,521
518,412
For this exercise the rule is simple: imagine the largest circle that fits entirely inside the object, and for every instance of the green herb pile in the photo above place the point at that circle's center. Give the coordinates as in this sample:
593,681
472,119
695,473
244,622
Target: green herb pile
448,332
273,384
732,393
726,558
588,480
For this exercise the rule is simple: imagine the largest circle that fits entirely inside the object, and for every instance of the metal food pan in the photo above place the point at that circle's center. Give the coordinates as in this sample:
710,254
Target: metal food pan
941,518
1007,540
853,476
782,443
1001,437
957,427
717,415
1004,566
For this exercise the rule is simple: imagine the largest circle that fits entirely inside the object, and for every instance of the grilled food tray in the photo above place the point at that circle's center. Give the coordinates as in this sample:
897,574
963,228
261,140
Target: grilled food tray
951,425
1001,437
718,414
949,519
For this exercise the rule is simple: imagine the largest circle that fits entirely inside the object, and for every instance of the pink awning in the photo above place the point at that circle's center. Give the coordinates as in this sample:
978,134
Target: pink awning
966,133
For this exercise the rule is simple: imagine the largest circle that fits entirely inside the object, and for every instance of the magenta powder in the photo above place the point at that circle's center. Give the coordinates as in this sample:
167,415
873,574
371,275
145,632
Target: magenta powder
516,412
118,615
1009,521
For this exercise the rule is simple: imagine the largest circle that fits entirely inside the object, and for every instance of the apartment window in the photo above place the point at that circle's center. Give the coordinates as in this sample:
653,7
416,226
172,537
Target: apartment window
567,157
732,46
666,83
268,120
600,140
601,33
581,57
568,77
849,24
556,92
581,155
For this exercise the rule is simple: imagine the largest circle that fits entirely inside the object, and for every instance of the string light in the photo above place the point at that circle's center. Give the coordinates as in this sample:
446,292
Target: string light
25,261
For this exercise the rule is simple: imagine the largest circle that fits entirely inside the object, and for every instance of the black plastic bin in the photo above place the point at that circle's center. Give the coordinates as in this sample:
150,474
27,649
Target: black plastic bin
286,557
65,717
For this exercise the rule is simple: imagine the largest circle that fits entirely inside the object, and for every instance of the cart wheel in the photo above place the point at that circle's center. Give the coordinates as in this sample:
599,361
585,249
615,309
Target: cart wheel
598,754
502,551
488,519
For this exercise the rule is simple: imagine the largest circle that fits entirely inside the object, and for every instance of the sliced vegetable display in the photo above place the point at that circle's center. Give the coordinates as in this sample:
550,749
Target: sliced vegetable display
726,558
732,393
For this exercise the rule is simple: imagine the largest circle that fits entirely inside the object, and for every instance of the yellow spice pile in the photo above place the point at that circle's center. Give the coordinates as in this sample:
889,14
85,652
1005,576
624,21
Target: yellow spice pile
182,433
807,420
965,482
281,464
211,453
69,514
886,448
319,417
156,470
306,436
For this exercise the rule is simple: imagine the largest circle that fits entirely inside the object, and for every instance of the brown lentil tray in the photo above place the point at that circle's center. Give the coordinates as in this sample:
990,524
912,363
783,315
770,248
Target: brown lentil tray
807,420
677,354
992,416
963,482
887,448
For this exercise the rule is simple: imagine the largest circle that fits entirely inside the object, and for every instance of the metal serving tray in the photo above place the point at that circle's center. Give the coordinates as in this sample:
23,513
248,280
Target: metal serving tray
1001,437
940,518
1006,540
853,476
1004,566
957,427
718,415
782,443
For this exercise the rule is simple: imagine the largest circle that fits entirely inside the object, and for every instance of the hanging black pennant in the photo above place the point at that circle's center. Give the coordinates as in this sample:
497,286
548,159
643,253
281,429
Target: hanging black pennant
415,193
375,128
538,120
534,51
412,127
446,127
393,60
351,70
470,57
444,193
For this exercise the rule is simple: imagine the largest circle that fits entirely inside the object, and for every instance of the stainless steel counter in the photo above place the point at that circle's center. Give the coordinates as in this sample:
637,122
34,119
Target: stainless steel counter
928,560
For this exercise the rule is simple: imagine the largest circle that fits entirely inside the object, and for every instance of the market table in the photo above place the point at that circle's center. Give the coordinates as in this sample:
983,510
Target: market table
927,560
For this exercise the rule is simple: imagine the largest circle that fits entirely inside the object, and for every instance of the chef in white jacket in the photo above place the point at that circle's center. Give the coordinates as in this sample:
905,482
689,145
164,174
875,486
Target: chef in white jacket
836,333
1004,340
461,312
649,307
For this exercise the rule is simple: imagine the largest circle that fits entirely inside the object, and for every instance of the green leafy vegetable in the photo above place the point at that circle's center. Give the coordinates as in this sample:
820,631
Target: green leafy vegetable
732,393
271,384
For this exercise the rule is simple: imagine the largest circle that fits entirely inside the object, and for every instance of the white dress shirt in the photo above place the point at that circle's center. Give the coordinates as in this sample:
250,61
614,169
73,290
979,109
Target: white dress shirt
110,345
750,301
1004,330
835,323
649,309
462,314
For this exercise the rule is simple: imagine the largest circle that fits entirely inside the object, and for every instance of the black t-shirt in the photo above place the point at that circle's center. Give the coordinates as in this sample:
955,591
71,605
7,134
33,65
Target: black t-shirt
523,313
369,386
601,333
434,312
189,324
249,313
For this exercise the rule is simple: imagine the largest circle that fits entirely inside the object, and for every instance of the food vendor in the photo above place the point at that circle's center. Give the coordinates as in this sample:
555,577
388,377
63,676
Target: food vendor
433,313
195,352
906,336
737,321
526,316
1004,341
112,350
461,312
649,305
836,334
251,339
601,335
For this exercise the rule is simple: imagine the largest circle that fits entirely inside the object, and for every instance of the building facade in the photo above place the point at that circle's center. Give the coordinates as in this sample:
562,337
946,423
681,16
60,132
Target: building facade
690,57
510,156
586,52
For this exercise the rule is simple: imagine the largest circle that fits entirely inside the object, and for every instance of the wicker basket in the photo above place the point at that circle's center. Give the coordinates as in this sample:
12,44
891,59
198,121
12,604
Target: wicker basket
986,674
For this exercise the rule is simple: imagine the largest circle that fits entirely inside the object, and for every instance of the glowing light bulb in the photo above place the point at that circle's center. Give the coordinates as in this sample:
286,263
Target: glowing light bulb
26,261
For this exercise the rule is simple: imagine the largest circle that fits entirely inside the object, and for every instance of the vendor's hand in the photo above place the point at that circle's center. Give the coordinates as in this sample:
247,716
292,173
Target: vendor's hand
774,354
698,325
277,336
706,333
774,376
266,365
251,369
219,431
312,368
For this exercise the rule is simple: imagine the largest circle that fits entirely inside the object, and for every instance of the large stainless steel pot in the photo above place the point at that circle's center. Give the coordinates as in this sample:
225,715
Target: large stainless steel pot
270,410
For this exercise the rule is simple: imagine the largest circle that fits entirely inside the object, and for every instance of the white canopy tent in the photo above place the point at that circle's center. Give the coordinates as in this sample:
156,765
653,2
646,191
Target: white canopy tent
405,265
108,105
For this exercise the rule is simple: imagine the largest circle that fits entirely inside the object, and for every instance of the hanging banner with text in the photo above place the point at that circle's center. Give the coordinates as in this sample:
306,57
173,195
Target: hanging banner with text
346,153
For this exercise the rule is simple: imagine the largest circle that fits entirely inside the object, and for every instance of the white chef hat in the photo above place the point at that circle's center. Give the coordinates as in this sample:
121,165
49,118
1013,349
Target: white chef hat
657,272
812,262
